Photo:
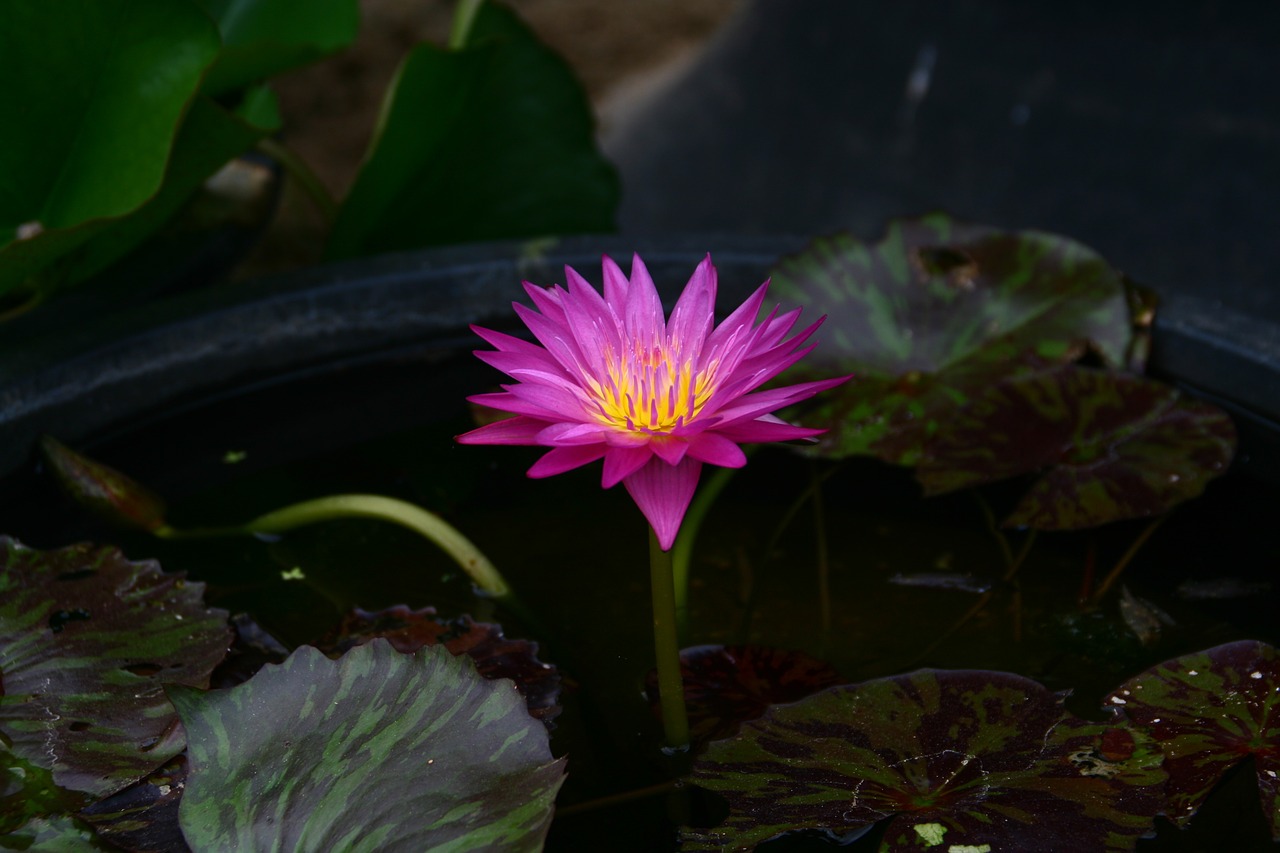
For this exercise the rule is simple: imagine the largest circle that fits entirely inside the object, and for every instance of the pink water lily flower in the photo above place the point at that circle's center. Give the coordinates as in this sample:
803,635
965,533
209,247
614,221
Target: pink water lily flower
612,378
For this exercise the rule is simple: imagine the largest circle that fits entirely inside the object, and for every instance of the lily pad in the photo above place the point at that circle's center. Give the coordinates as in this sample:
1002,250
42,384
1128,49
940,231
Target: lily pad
377,750
264,37
1209,711
492,141
143,818
1109,446
928,316
88,640
34,813
957,760
726,685
494,655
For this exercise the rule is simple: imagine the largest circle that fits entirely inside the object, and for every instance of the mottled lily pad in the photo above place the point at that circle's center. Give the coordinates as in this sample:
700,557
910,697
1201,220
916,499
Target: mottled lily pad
88,640
1110,446
377,750
494,655
35,814
1209,711
727,685
937,309
143,818
956,760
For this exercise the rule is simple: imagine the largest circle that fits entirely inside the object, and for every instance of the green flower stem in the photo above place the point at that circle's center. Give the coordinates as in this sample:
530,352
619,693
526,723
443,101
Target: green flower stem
682,551
417,519
464,15
666,646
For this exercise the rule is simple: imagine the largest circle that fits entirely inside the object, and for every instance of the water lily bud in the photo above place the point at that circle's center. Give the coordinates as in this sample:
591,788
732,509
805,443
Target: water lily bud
104,491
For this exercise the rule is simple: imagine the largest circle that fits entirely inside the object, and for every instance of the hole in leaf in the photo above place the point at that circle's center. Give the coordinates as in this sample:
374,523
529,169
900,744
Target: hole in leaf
145,670
80,575
957,267
79,726
59,619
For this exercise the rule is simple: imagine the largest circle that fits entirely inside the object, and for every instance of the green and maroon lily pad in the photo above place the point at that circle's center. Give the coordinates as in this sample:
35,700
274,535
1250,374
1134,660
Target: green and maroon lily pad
1209,711
726,685
377,750
143,818
88,640
494,655
1108,446
36,814
956,760
936,310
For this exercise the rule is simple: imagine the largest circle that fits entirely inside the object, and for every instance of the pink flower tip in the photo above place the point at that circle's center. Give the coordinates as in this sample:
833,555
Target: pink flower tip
612,377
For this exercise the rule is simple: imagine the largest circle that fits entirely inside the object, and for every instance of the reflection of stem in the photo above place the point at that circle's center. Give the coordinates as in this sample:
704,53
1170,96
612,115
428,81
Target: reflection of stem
675,721
31,301
682,551
307,179
824,564
1015,564
1123,562
427,524
615,799
1001,539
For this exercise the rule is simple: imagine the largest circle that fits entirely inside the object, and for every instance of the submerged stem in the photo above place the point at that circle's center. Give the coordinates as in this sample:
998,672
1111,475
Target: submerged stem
1125,559
666,646
306,177
824,563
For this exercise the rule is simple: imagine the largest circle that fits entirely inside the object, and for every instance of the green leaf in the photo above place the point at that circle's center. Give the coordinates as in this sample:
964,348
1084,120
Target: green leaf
1209,711
983,760
936,310
87,641
209,137
375,751
264,37
94,93
1109,446
492,141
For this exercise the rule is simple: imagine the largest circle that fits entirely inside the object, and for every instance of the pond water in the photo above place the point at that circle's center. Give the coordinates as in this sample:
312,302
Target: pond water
578,557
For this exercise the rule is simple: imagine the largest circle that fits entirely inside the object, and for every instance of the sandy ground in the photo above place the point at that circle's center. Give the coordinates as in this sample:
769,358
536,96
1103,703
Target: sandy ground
329,108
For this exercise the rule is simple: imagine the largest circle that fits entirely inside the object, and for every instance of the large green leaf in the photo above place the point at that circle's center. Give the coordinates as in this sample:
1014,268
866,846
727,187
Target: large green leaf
94,91
87,642
969,760
1209,711
935,311
487,142
264,37
1109,446
209,137
377,750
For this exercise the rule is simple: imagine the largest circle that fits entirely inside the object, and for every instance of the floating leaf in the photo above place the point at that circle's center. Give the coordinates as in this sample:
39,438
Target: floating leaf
727,685
1209,711
264,37
1111,446
967,760
87,641
494,655
143,818
101,489
493,141
928,316
377,750
34,813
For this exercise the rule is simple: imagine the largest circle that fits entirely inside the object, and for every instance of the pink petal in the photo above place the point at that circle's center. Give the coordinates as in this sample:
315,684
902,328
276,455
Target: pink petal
644,318
669,450
663,493
694,313
622,462
562,435
615,285
561,459
752,406
766,429
517,430
715,449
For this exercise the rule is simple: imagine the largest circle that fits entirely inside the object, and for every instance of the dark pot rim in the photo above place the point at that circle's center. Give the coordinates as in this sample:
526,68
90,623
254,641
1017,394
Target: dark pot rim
77,379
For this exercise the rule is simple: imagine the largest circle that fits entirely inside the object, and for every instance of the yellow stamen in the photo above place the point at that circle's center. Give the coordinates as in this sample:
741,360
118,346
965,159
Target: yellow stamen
651,389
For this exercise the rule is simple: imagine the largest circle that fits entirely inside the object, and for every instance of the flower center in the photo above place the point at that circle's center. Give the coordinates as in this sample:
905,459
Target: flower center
651,389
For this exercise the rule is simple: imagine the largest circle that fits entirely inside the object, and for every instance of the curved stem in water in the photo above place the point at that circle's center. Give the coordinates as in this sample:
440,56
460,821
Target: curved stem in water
682,551
1125,559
